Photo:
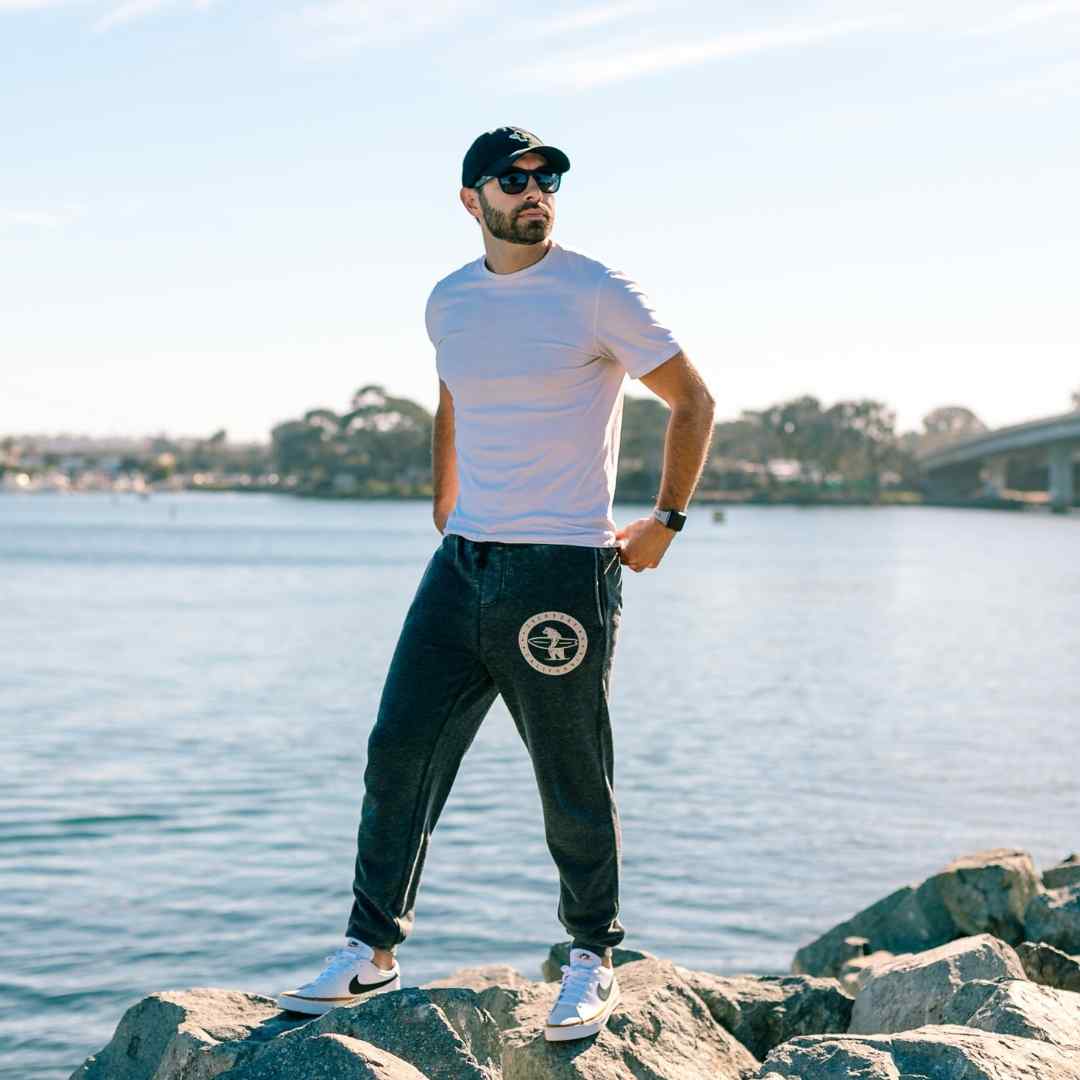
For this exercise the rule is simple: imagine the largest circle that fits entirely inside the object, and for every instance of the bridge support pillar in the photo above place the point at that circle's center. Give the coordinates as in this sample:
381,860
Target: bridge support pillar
1061,477
993,475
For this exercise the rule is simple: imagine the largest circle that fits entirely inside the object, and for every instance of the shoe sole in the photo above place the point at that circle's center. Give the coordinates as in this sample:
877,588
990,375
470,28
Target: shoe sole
568,1032
313,1007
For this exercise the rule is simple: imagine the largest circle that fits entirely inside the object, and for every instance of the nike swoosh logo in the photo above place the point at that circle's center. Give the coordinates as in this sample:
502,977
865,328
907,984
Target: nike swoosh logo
363,988
602,993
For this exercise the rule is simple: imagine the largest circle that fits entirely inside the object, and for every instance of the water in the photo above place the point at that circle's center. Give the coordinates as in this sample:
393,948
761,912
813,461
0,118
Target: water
811,708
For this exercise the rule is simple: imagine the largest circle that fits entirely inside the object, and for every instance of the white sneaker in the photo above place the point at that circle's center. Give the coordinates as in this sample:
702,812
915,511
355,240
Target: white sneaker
349,977
588,994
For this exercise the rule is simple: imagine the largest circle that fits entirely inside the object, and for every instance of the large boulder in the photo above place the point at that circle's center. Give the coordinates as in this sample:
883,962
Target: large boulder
197,1033
933,1052
984,892
660,1029
911,991
444,1033
559,954
1067,872
1049,966
1053,917
1017,1007
988,892
762,1011
331,1057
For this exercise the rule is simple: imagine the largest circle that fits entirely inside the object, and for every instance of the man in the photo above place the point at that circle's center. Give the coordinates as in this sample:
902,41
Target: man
523,597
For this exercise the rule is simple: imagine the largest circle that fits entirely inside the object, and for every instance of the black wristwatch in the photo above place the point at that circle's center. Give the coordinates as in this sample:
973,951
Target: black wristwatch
673,519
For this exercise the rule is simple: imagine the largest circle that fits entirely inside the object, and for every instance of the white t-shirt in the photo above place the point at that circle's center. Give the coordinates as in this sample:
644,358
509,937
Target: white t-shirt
536,362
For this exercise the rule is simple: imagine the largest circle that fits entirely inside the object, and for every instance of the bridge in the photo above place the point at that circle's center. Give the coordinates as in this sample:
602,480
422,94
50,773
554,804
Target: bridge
984,457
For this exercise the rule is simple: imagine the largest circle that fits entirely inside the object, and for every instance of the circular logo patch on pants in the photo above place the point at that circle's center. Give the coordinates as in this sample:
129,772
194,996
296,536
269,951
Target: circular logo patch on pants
553,642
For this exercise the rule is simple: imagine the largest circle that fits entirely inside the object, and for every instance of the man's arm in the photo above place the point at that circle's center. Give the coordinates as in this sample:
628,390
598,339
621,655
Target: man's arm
686,446
444,477
689,429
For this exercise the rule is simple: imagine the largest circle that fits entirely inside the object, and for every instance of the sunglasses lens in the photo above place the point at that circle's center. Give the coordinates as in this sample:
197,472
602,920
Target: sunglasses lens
516,181
513,183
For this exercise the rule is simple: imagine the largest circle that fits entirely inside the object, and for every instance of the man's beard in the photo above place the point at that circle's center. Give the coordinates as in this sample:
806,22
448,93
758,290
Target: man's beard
515,230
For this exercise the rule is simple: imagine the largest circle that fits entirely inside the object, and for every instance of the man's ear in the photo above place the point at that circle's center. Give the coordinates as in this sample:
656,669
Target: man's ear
470,201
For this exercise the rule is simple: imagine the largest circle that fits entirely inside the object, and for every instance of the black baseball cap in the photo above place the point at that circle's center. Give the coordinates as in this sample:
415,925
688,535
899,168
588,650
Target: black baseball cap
494,150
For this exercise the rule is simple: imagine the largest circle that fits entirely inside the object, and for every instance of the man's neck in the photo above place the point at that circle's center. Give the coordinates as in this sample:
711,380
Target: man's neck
505,258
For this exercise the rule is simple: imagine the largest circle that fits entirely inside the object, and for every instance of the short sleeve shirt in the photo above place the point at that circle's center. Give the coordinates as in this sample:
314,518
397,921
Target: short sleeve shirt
536,363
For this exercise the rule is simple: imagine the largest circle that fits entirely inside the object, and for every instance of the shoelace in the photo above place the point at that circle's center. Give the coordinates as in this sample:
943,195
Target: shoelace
345,956
575,980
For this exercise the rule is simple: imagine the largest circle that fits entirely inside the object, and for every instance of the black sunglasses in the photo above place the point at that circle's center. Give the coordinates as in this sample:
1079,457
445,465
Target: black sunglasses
515,181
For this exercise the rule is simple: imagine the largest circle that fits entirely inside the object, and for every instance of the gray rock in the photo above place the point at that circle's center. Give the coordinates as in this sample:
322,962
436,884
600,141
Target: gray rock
989,891
444,1033
914,990
907,920
1017,1007
661,1029
324,1057
1054,918
984,892
762,1011
551,969
198,1033
1067,872
933,1052
1049,966
480,978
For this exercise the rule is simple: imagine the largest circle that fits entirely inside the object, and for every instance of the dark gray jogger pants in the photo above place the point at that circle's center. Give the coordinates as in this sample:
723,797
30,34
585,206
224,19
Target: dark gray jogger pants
536,623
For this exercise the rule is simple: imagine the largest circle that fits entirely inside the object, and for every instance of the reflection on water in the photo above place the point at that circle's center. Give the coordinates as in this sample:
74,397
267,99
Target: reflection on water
811,708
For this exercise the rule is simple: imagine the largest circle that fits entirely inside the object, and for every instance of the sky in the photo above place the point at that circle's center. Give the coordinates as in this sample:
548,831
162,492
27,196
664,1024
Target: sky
223,213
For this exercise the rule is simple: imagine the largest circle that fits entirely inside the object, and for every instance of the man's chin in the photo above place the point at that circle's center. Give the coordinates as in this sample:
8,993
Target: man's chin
530,234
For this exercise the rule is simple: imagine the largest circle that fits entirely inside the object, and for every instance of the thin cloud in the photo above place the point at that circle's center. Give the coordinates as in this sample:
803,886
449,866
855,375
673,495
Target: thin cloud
575,21
55,218
1048,86
1028,15
132,10
589,68
336,26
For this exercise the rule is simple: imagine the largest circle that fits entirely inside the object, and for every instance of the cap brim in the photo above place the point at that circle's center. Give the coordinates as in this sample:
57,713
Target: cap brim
555,158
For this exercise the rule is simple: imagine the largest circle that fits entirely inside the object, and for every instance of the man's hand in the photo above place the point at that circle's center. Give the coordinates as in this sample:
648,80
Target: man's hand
642,543
440,518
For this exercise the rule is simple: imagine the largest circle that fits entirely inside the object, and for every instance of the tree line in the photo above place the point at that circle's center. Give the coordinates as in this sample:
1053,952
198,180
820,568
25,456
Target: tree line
381,446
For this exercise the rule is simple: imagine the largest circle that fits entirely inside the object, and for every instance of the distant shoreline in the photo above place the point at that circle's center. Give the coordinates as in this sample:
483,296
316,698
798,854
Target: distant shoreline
707,498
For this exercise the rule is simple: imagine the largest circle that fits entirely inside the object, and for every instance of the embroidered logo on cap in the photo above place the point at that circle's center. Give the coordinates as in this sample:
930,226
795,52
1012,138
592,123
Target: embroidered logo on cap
553,642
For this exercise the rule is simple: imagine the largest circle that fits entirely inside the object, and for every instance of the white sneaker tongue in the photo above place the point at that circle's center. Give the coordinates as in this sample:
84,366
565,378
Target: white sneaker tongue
584,956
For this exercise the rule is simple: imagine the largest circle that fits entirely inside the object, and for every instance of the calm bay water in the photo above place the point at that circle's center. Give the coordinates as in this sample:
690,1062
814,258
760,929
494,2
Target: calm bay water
811,708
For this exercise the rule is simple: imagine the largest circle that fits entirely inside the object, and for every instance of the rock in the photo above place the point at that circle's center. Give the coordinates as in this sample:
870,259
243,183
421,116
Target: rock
933,1052
1067,872
1054,918
762,1011
660,1029
989,891
480,978
912,991
857,970
1017,1007
1049,966
906,920
444,1033
198,1033
985,892
551,970
324,1056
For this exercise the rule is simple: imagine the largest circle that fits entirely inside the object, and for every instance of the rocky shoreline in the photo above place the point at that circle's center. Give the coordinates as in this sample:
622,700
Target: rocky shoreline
973,974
